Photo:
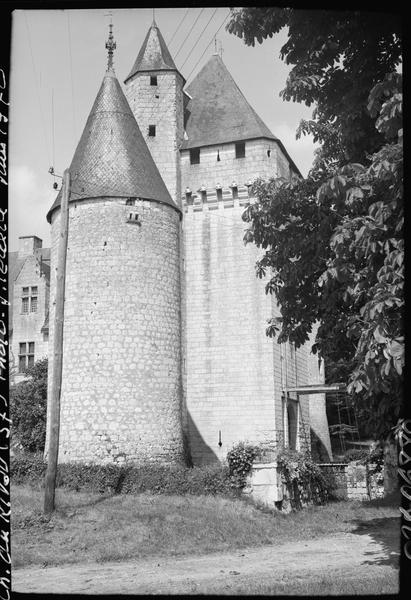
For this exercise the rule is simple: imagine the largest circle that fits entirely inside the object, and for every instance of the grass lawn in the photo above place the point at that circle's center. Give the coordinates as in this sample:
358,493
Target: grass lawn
92,527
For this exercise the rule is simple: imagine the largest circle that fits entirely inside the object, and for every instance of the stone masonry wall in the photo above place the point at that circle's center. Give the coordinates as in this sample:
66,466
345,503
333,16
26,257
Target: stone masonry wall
27,327
229,362
235,374
210,171
160,105
121,389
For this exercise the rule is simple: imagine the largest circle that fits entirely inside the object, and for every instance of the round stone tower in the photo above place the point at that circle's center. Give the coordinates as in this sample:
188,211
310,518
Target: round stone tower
121,379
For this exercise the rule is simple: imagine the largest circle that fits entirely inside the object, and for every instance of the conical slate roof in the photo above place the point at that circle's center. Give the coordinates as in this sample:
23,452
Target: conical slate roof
218,112
112,157
154,54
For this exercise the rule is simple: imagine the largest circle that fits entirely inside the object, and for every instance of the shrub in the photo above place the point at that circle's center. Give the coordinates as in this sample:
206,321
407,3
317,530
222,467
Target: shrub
240,460
356,454
28,408
126,479
28,469
303,478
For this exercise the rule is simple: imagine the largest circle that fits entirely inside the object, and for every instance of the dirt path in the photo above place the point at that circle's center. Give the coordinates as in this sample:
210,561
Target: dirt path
347,555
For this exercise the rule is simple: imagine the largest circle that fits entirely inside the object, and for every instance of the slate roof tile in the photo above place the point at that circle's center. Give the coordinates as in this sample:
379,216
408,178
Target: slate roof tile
112,158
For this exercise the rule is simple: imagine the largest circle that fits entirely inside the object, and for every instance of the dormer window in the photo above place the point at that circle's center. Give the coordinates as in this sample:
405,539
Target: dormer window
153,79
195,156
151,131
131,201
240,150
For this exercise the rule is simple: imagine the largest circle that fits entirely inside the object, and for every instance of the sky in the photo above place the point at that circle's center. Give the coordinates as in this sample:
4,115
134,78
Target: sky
58,60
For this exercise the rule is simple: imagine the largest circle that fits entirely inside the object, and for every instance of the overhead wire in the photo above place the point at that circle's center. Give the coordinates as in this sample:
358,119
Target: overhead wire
202,33
178,26
210,42
188,35
164,102
71,77
47,148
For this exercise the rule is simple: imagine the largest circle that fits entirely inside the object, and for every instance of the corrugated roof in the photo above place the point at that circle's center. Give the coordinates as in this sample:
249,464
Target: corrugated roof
112,157
218,112
154,54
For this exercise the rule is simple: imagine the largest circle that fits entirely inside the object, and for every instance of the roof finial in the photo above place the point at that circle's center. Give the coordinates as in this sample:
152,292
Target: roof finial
111,46
154,18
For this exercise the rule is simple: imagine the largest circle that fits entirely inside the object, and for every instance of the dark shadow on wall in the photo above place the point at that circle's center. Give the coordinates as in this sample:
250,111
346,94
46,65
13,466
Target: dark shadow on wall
200,452
319,452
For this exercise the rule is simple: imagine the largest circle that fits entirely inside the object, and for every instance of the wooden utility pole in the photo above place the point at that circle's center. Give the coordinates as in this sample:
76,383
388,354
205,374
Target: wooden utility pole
54,414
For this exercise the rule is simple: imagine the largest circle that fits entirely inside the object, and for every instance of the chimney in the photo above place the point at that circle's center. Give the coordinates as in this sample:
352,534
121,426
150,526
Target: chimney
28,244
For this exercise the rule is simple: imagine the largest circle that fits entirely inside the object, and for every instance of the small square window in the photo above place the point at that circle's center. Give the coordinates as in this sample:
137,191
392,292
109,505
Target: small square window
153,79
26,356
240,150
195,156
25,290
151,130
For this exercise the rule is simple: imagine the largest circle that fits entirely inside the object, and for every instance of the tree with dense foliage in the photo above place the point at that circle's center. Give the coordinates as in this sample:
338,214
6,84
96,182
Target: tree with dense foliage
28,408
334,242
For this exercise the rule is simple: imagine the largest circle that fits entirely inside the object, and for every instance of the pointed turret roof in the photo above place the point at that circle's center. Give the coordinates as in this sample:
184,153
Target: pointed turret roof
218,112
154,54
112,157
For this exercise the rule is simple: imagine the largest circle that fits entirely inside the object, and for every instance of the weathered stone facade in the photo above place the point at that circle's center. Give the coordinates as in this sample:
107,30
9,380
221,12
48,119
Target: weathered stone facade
164,325
121,390
29,301
160,105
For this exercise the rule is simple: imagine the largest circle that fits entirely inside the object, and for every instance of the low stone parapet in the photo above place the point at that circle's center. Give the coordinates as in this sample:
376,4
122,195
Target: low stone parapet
264,483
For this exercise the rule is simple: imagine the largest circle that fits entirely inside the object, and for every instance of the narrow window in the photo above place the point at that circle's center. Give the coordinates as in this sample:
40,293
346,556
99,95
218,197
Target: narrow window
33,299
203,195
219,194
268,153
195,156
240,150
33,304
151,130
24,305
218,156
234,190
153,79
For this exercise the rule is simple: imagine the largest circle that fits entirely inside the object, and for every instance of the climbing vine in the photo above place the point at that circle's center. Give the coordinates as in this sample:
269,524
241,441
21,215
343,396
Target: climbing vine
240,460
303,478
